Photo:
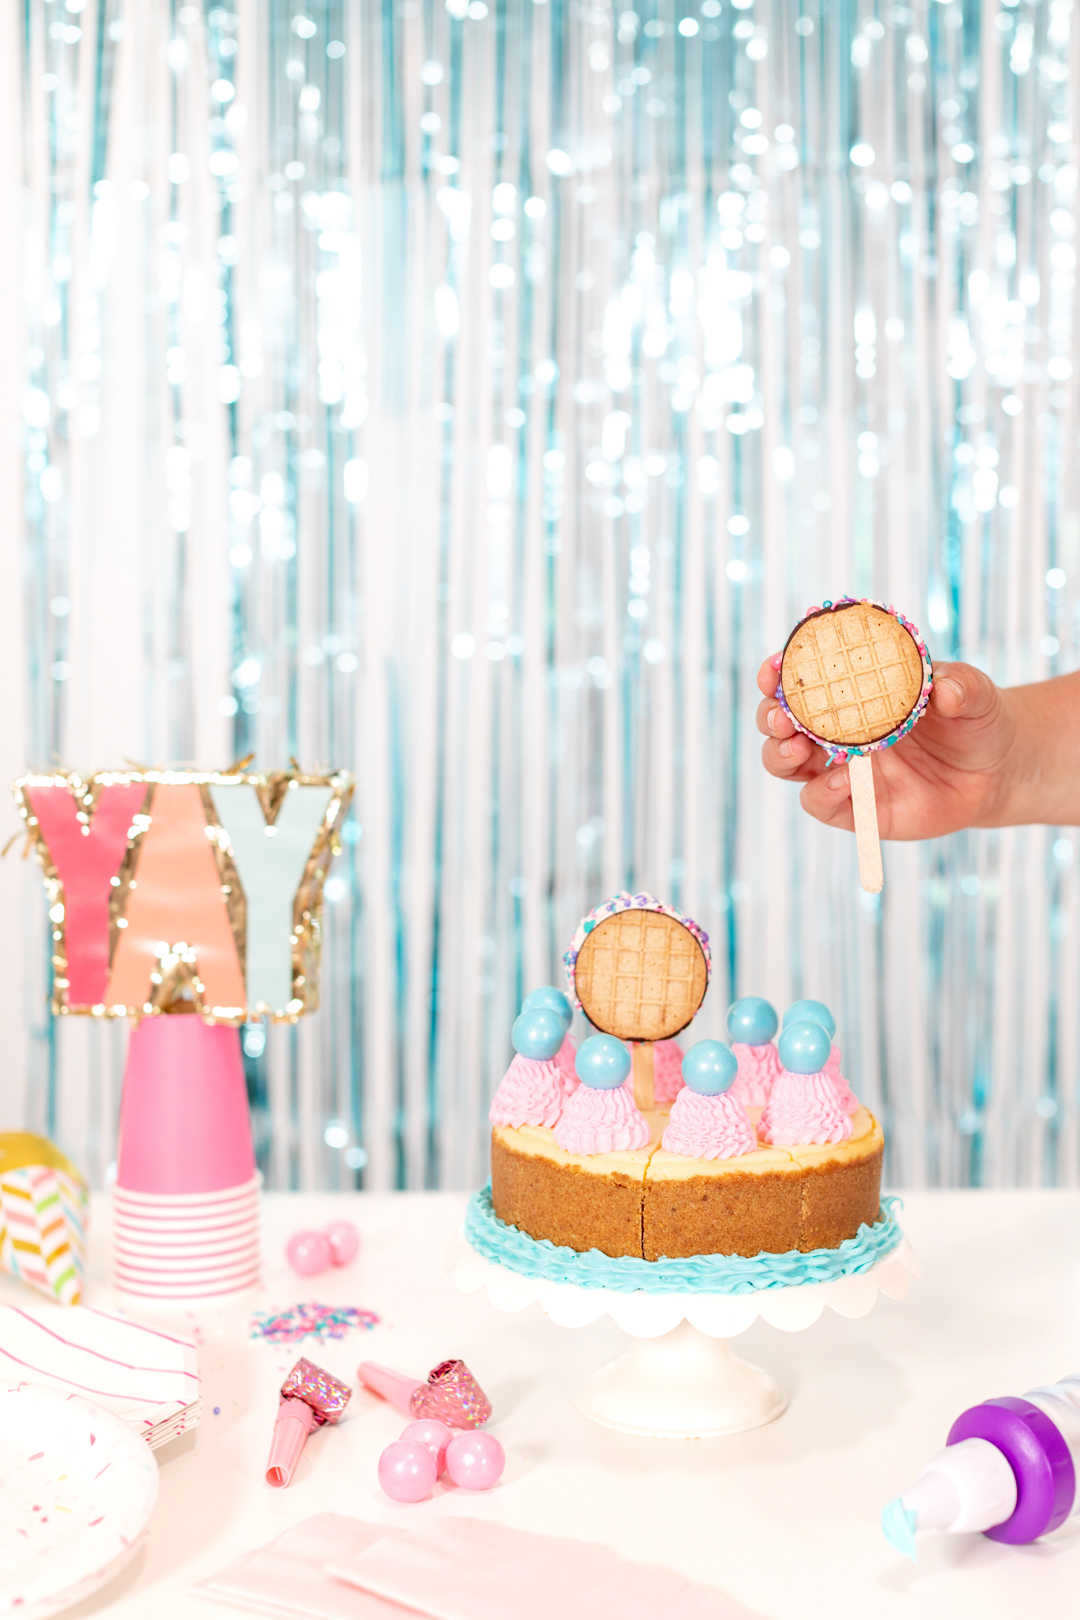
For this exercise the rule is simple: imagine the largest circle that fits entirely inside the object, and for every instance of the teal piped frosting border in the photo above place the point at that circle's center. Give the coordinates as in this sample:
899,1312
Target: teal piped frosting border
703,1274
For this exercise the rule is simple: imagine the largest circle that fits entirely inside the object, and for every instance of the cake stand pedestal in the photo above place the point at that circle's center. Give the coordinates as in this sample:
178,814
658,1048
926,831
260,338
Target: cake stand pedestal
680,1379
683,1385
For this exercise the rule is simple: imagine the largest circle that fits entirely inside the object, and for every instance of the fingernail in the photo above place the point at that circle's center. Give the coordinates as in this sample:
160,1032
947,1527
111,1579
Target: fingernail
838,780
946,683
770,718
787,748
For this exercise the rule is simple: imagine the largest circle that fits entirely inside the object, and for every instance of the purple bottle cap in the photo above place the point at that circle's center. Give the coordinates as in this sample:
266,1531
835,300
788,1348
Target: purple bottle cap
1035,1450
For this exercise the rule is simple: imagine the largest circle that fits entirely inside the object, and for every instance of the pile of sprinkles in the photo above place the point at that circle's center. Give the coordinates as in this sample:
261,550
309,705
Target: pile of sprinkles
310,1321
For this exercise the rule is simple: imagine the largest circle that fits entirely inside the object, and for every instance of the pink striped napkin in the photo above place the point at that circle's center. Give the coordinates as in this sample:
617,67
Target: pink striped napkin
336,1568
146,1377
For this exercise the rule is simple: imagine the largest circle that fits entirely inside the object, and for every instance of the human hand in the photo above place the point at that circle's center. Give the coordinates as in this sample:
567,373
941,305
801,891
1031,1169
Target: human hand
956,768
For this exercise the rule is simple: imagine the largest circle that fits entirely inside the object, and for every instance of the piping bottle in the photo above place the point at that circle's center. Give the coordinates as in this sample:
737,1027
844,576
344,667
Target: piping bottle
1009,1469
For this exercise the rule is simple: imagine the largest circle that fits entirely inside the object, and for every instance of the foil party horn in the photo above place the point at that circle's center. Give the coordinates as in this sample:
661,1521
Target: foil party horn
451,1394
310,1397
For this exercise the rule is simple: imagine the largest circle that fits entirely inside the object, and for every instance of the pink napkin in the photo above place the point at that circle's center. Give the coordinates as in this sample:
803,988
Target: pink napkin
334,1568
287,1579
473,1569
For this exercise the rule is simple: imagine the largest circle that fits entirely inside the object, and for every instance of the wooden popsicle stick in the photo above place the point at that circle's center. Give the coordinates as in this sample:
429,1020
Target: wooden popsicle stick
642,1055
864,806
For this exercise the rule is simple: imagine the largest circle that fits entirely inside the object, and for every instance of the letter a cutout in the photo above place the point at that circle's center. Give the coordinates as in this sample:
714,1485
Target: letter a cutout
177,896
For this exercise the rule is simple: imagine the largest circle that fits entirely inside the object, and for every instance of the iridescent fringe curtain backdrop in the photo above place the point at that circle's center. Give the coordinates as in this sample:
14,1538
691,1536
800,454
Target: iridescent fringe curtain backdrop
470,395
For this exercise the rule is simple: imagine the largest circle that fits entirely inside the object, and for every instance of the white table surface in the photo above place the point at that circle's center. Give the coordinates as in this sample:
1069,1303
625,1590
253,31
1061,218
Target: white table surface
785,1518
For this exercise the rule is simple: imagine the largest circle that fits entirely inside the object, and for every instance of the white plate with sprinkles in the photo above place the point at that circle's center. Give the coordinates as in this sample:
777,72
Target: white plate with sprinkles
77,1489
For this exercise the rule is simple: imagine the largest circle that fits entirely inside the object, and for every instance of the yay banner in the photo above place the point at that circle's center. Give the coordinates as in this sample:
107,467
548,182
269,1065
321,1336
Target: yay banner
204,887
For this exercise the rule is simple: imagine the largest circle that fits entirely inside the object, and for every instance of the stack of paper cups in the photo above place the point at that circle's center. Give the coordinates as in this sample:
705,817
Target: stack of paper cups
186,1198
196,1247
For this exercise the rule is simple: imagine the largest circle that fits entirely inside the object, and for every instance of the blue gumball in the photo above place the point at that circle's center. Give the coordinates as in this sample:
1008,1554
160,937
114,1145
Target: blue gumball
752,1020
811,1012
538,1033
602,1062
709,1067
548,996
804,1048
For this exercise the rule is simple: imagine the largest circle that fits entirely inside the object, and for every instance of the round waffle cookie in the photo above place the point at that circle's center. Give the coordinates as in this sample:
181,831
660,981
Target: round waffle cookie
851,674
639,970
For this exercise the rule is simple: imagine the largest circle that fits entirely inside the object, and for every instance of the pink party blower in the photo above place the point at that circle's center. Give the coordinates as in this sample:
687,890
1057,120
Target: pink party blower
451,1394
310,1397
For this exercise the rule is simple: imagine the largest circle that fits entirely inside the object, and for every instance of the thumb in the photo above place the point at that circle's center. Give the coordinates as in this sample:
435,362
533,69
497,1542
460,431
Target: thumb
962,692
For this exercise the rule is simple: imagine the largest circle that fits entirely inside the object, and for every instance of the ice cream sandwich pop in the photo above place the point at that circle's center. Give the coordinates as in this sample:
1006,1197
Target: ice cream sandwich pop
639,969
855,676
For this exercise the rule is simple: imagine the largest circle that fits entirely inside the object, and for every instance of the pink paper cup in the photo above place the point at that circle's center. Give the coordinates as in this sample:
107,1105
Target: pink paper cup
192,1280
191,1230
171,1299
149,1274
185,1126
187,1247
182,1203
180,1259
180,1235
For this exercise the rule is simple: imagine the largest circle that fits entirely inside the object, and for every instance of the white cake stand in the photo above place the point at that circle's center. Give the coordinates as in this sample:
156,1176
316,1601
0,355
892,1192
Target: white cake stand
680,1379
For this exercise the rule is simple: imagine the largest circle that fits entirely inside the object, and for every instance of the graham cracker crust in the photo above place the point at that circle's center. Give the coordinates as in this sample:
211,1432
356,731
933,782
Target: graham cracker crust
662,1207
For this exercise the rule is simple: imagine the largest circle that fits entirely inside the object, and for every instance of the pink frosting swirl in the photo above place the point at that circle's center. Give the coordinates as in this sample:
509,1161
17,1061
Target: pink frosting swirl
708,1127
530,1093
564,1057
803,1109
846,1097
667,1071
758,1069
595,1121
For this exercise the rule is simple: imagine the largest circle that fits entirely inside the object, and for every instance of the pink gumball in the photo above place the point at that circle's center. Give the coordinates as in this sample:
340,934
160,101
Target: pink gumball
308,1253
475,1461
344,1241
407,1471
432,1434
